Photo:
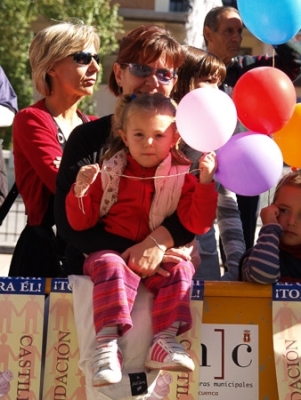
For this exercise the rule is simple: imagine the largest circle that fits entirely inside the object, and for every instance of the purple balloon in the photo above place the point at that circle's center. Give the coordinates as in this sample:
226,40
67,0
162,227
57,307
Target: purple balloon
249,163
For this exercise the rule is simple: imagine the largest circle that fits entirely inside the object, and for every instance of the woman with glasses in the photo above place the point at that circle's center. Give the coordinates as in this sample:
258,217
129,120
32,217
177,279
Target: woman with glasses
147,62
64,61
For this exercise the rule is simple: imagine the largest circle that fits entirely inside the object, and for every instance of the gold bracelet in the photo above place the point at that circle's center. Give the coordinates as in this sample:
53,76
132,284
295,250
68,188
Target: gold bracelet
157,244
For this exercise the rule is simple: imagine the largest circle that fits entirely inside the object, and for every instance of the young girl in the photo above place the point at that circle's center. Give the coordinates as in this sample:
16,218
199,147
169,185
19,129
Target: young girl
143,178
277,253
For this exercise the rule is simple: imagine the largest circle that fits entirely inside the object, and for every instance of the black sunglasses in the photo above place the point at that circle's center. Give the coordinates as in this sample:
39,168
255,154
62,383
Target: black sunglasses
143,71
85,58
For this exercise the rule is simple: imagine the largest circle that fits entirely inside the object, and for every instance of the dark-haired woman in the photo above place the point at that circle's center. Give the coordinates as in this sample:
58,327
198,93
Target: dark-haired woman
147,62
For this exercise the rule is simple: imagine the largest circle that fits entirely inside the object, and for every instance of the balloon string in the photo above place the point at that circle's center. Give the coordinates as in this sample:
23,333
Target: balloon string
269,197
151,177
273,58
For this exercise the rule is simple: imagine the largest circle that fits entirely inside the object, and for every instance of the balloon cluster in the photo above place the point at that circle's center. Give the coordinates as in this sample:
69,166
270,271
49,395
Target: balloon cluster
263,100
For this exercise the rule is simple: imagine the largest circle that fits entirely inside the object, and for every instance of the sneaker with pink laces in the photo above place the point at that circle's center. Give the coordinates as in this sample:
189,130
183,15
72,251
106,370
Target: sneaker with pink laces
167,354
107,364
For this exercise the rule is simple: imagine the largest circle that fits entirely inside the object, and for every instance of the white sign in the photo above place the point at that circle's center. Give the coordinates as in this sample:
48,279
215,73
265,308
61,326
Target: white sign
229,362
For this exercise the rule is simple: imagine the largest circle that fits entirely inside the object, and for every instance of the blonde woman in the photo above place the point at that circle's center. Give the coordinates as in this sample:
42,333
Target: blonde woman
64,61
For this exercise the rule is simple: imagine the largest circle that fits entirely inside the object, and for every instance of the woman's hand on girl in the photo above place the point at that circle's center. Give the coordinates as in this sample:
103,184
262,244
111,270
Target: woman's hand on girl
145,259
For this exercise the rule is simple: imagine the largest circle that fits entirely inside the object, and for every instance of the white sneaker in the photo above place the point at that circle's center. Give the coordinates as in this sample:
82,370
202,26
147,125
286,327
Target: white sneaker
107,364
167,354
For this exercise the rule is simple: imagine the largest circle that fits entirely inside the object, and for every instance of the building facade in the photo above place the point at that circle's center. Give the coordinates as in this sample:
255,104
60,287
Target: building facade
173,15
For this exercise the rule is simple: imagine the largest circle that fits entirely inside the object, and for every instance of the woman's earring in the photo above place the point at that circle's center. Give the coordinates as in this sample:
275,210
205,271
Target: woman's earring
119,88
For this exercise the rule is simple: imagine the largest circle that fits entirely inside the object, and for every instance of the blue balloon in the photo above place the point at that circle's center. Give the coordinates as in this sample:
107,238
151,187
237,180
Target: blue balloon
271,21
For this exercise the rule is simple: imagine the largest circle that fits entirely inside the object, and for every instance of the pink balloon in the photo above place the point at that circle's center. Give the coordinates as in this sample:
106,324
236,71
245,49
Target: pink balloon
206,119
249,163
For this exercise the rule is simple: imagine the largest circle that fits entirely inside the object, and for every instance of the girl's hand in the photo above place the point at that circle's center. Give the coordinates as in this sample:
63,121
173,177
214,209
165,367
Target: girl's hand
269,214
85,177
207,166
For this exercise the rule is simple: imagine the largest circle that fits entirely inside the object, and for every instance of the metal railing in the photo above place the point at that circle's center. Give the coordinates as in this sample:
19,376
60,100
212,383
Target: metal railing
12,226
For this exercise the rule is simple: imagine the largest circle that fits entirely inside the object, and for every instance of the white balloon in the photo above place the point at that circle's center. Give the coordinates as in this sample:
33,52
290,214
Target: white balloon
206,118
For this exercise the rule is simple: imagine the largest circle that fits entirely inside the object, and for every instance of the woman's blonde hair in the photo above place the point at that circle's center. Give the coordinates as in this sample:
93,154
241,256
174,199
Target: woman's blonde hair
53,44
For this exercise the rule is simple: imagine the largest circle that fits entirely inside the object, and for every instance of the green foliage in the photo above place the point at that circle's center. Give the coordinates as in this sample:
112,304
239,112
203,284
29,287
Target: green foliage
16,34
98,13
15,37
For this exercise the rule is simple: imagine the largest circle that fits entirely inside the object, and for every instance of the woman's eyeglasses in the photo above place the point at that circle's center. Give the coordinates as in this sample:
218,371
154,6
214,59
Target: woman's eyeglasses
85,58
143,71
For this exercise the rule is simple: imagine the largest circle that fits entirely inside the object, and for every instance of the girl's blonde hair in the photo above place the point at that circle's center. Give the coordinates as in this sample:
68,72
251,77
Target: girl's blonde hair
152,103
53,44
290,179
